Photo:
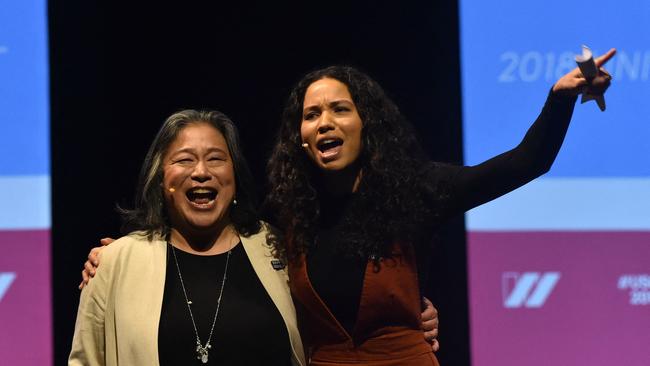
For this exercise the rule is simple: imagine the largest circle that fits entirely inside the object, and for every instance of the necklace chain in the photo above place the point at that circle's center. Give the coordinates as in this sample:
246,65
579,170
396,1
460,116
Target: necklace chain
202,351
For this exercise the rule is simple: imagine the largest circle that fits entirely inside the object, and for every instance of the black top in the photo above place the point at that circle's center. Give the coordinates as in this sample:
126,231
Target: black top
338,279
336,276
249,329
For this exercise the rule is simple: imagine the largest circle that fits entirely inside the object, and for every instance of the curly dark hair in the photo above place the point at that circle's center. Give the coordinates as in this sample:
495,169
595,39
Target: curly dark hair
389,204
150,215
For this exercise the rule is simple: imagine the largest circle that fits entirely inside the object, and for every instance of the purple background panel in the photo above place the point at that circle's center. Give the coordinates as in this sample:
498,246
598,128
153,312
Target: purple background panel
25,308
588,317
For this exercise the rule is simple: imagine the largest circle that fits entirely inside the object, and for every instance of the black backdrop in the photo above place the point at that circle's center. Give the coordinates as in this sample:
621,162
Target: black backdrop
117,70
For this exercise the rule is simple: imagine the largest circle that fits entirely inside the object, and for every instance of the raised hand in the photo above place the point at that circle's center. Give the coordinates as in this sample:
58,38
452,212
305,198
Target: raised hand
574,83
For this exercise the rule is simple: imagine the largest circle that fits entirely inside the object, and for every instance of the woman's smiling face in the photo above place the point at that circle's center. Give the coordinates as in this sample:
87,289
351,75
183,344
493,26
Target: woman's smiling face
198,178
331,125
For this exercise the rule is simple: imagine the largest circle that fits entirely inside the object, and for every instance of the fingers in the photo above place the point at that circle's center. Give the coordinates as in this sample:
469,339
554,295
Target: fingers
84,280
430,324
430,312
90,266
435,345
601,60
570,84
87,273
427,303
432,338
89,269
93,256
574,83
604,72
599,84
606,76
106,241
431,335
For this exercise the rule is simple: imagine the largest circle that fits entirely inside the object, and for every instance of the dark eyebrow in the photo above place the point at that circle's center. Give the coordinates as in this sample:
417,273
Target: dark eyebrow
340,101
333,103
217,149
311,107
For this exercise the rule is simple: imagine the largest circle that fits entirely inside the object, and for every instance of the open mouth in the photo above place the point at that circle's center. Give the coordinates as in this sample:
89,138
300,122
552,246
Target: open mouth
201,196
329,147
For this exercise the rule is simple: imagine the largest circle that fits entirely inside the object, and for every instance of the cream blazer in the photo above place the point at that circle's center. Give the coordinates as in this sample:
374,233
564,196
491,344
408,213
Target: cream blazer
119,309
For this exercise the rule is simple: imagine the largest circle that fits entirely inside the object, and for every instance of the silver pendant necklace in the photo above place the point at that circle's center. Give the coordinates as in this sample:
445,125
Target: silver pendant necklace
202,350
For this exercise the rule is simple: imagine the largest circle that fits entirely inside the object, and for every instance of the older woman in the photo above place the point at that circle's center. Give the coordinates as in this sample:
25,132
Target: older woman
359,204
195,274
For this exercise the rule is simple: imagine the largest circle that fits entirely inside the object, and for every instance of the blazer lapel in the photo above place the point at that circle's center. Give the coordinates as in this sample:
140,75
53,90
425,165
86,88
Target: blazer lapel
275,283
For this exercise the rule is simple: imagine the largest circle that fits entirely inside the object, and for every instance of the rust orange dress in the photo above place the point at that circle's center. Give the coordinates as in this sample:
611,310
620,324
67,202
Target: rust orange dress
387,330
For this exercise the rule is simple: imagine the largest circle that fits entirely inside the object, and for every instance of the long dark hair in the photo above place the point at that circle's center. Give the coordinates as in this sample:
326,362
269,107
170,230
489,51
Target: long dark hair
389,205
150,215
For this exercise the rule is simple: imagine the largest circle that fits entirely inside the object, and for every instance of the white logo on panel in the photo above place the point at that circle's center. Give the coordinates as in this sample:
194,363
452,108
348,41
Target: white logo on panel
6,278
638,286
528,289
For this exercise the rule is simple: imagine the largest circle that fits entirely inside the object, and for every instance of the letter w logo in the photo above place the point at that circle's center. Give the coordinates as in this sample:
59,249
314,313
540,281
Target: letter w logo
6,278
529,289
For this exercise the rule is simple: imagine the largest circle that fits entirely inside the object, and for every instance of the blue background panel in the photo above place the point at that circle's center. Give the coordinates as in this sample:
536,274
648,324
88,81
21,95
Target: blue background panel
513,52
24,95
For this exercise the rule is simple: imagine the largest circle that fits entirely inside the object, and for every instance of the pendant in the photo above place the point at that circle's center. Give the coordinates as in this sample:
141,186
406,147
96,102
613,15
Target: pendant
203,352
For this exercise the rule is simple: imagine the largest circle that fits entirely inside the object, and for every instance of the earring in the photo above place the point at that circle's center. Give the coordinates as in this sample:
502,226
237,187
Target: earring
234,202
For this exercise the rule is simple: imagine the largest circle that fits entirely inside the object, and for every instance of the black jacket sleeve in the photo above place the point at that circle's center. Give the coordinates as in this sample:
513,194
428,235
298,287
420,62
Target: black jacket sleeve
466,187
